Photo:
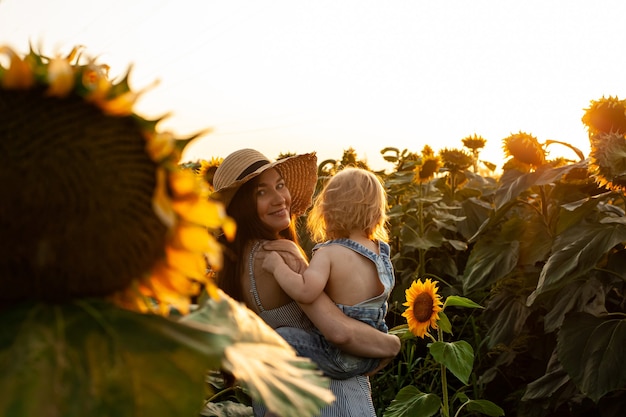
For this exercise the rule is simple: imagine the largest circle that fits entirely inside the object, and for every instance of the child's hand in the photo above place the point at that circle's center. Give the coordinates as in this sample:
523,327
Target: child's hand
272,261
289,251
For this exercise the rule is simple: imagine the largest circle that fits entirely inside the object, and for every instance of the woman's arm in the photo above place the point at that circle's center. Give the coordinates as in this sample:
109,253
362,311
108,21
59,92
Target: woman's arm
348,334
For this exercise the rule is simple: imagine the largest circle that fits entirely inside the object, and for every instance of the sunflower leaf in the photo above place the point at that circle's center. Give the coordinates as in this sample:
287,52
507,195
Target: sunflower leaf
489,260
455,300
288,385
457,356
575,253
412,402
484,407
431,239
444,323
506,315
591,351
89,357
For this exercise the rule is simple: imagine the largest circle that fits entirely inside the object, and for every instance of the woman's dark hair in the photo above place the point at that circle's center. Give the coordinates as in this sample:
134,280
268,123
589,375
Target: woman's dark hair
243,209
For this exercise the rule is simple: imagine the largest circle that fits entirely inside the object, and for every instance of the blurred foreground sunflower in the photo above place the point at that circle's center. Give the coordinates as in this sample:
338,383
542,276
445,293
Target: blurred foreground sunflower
89,176
607,160
424,305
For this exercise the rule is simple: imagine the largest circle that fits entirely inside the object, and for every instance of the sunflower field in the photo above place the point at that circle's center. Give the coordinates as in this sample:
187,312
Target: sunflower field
537,253
509,297
540,252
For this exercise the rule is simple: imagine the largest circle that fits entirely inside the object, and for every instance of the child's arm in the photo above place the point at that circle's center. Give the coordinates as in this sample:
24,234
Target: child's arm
303,288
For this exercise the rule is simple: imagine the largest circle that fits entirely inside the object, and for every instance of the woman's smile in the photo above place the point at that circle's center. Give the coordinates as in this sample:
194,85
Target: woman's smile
273,200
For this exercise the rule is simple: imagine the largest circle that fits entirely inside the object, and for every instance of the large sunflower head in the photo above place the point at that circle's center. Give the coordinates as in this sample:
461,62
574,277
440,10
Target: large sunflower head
606,115
524,148
95,202
423,307
607,160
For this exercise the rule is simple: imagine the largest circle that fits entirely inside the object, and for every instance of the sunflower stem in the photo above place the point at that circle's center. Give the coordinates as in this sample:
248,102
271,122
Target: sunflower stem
420,220
445,410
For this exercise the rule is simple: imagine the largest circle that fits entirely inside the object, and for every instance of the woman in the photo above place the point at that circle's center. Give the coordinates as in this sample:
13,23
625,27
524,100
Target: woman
264,199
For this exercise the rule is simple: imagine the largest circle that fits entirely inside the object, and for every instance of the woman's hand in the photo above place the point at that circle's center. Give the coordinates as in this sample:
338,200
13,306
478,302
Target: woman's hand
348,334
383,362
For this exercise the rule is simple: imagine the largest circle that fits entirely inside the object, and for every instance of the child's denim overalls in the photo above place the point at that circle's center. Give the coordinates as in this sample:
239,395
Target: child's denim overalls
335,363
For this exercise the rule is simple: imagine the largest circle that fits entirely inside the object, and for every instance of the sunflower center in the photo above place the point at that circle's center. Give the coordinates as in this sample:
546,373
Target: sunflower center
423,307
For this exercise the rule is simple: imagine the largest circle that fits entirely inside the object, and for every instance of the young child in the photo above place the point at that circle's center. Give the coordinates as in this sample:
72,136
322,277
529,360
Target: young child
352,266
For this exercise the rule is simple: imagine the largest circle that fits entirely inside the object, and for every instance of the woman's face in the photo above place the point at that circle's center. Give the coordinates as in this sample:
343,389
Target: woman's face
273,201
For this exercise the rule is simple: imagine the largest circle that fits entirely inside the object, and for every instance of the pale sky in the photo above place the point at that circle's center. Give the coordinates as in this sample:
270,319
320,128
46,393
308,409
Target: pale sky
320,75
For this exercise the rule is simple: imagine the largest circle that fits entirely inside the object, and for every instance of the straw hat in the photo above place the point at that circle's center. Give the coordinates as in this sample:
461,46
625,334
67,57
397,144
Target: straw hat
299,172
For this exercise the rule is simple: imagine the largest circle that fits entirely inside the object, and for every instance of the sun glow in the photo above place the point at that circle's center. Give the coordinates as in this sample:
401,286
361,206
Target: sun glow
325,76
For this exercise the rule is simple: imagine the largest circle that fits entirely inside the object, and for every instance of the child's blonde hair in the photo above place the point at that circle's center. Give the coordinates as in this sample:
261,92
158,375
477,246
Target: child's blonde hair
353,199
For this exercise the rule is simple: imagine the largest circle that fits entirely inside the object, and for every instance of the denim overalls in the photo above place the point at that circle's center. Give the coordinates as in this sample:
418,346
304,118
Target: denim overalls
335,363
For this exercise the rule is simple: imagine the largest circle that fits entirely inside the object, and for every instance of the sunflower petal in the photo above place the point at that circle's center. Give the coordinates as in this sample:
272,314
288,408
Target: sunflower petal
60,77
19,75
190,264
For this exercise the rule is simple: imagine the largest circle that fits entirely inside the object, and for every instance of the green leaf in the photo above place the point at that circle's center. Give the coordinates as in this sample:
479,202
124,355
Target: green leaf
457,244
91,358
490,259
458,301
476,213
444,323
484,407
514,183
591,350
290,386
573,213
457,356
588,296
575,253
411,402
535,239
506,315
549,384
431,239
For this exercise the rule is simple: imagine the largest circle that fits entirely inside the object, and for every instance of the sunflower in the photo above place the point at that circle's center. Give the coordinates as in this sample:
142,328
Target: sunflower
525,148
427,169
424,305
607,160
455,159
427,151
174,267
474,142
605,116
207,170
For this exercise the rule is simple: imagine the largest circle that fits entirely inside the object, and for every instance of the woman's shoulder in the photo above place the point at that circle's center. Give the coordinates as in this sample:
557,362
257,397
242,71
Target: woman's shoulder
291,253
282,246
